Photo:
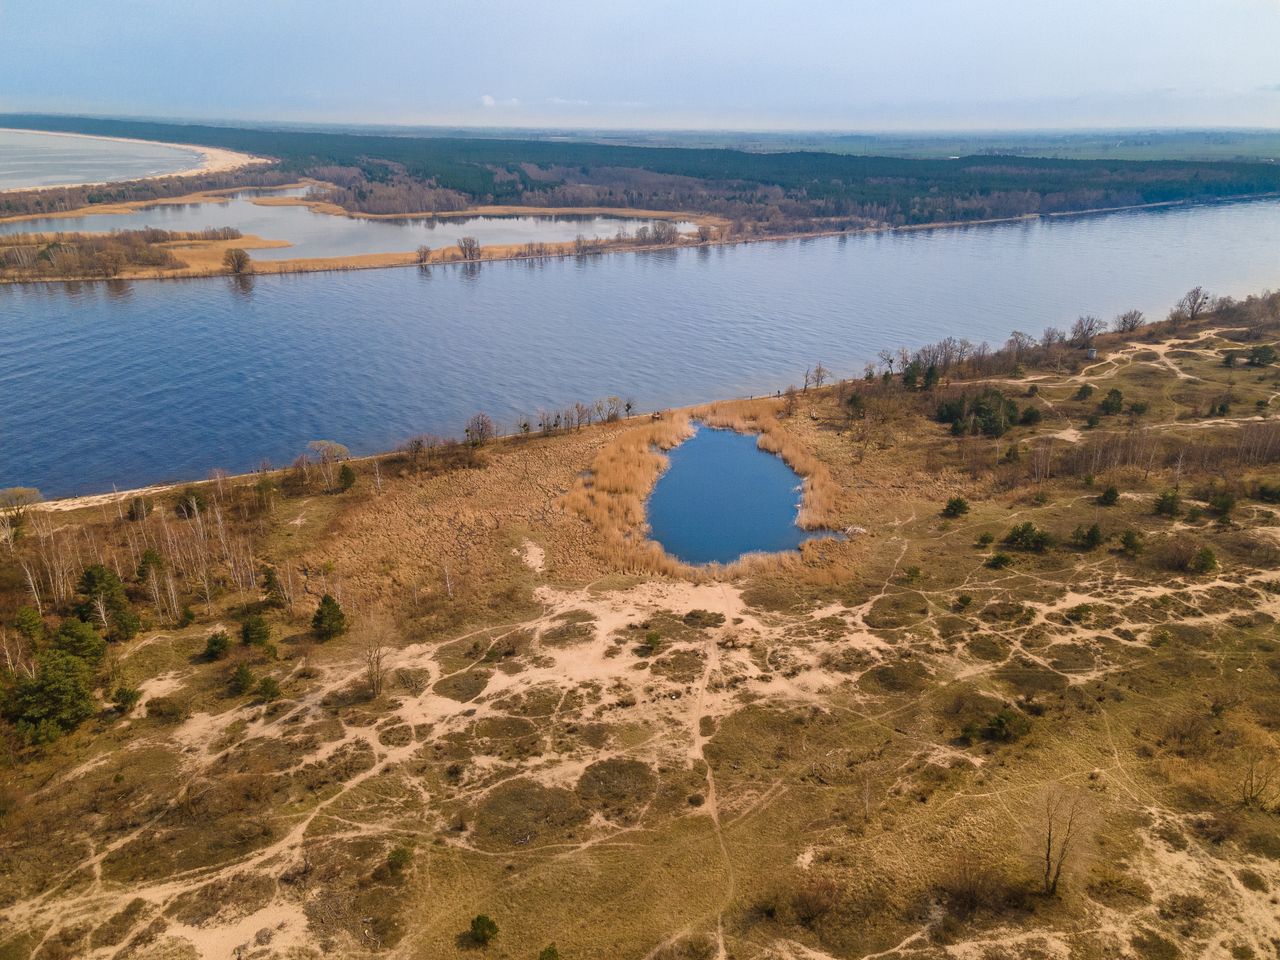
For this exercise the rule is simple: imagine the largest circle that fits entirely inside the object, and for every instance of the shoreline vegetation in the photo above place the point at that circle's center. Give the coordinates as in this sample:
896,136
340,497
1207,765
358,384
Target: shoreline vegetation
408,704
734,195
202,258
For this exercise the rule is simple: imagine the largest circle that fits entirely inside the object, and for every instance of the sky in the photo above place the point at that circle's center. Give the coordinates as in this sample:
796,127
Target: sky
870,65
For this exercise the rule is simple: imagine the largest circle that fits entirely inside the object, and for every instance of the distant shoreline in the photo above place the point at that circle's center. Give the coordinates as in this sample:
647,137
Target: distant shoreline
212,159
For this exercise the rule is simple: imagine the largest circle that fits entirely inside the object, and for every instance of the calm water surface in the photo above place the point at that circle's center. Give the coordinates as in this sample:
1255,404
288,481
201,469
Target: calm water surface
722,497
128,383
312,234
45,160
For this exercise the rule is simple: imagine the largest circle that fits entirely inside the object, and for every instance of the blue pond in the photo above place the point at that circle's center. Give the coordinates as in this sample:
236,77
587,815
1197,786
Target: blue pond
722,497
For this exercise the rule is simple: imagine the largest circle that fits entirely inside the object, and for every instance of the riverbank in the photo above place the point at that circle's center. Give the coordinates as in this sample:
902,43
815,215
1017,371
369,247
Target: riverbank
212,160
205,259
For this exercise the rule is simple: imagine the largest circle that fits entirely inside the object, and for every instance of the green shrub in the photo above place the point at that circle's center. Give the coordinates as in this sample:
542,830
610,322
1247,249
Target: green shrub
986,539
103,599
483,929
268,689
80,640
956,507
329,620
217,645
1204,561
999,561
1112,403
1084,393
1131,543
1222,502
346,477
398,860
1027,536
29,623
242,680
125,699
1168,504
53,701
139,508
190,503
1031,416
549,952
1087,539
1109,497
255,630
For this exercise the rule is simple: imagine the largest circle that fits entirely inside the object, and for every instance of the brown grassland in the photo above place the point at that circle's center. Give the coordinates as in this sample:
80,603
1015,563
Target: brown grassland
916,742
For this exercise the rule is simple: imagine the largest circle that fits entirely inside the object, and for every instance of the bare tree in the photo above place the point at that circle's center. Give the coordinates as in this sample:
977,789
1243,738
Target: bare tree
480,429
330,453
1193,303
14,504
1085,329
1256,780
375,653
820,374
469,247
423,254
1062,815
1129,321
237,261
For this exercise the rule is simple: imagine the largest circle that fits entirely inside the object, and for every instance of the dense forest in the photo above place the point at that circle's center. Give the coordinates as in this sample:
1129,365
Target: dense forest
757,191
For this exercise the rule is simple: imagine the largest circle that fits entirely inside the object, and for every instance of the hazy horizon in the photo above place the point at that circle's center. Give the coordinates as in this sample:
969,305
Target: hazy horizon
985,66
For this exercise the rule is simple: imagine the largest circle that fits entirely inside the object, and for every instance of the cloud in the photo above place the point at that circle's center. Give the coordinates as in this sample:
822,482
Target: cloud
487,101
568,102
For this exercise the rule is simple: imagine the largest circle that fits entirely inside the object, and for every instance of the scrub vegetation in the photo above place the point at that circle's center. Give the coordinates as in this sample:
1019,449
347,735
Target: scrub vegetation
450,701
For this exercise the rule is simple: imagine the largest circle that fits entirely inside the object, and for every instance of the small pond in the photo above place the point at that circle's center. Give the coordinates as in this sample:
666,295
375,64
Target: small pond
723,497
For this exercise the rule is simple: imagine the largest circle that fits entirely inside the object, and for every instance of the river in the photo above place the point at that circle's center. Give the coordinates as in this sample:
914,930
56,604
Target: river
127,383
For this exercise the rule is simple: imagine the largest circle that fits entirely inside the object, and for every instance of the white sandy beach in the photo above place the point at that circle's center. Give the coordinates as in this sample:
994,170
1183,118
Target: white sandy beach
212,159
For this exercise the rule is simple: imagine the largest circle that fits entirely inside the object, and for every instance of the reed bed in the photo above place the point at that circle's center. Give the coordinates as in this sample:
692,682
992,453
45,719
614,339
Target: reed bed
611,497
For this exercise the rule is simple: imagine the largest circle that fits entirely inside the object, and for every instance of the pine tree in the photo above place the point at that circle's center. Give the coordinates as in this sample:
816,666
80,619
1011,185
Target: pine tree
329,620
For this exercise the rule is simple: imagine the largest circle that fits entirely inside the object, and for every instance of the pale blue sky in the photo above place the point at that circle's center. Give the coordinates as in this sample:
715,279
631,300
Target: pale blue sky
740,64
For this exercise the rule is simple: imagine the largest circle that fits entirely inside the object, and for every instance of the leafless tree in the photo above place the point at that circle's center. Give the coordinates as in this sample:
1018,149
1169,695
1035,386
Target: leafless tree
480,429
1063,812
330,453
1085,329
1256,781
237,261
375,652
789,401
820,374
704,233
14,504
1129,321
469,247
1193,303
423,254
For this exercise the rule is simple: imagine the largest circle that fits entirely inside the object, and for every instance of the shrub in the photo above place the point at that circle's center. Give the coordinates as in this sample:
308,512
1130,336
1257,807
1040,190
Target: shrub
255,631
190,503
1031,416
1027,536
398,860
986,539
1262,356
814,899
242,680
80,640
346,477
53,701
483,929
999,561
549,952
168,709
29,623
1204,561
268,689
216,647
139,508
329,620
956,507
1092,421
1087,539
1084,393
1109,497
1222,502
125,699
1131,543
104,599
1112,403
1169,504
1267,492
963,602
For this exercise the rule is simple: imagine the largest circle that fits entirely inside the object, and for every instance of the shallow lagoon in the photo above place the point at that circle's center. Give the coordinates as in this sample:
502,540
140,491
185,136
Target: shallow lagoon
31,159
311,234
723,497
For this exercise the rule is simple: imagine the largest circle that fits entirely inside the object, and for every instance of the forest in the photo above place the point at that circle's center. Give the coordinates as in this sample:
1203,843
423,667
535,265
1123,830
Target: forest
758,192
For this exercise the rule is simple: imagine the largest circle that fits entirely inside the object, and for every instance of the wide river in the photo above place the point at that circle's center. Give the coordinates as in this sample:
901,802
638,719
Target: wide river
130,383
